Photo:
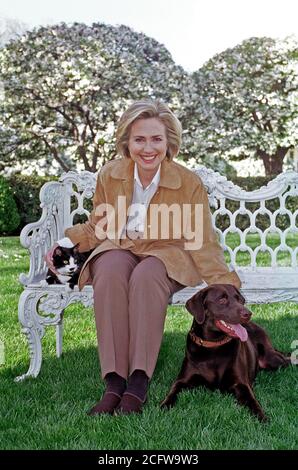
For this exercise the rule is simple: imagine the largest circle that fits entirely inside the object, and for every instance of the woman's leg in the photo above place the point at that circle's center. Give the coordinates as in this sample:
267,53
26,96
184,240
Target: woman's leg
149,292
110,276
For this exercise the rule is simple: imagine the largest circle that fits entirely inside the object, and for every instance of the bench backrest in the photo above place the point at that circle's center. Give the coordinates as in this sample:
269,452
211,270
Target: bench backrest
244,220
258,230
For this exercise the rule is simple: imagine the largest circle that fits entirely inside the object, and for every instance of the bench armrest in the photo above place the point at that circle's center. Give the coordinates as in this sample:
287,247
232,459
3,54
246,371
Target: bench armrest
39,236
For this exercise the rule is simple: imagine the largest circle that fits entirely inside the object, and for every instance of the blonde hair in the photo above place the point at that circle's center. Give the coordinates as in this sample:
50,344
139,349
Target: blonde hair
146,109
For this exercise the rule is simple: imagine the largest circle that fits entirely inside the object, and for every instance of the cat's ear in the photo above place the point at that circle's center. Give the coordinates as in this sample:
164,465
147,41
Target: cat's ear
58,252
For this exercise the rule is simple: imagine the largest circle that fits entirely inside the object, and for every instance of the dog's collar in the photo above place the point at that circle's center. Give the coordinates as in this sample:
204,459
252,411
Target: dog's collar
208,344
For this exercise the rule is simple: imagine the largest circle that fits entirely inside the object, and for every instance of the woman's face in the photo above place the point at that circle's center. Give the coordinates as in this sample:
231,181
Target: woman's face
147,143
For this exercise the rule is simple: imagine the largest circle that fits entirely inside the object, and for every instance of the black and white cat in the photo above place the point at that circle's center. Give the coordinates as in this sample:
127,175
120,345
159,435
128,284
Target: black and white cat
68,263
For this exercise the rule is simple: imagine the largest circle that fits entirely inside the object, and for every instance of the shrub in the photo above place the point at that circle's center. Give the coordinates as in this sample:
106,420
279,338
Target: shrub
9,216
26,189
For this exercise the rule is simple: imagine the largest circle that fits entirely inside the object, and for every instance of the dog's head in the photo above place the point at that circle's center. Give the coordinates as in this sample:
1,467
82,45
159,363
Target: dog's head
224,305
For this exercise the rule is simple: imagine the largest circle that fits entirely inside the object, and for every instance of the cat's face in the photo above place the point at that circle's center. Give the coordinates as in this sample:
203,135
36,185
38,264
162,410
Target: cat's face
66,260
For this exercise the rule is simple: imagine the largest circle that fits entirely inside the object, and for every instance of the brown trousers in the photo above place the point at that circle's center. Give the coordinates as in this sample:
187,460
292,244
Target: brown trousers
131,295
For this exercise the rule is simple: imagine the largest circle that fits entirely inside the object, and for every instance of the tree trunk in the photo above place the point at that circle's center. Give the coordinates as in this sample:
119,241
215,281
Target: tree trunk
82,152
273,163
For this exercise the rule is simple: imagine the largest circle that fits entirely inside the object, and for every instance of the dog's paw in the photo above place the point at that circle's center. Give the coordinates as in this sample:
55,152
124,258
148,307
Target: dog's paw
263,418
166,404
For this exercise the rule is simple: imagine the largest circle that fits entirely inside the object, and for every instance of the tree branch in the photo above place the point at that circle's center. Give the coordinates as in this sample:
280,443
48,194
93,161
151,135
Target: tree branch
52,149
58,110
257,120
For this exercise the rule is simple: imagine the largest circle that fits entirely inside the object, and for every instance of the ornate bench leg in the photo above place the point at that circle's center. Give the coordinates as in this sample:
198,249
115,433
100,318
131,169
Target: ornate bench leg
32,327
59,337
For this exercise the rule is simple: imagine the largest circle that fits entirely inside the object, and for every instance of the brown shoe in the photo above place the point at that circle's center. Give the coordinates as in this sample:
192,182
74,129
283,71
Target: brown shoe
130,404
107,404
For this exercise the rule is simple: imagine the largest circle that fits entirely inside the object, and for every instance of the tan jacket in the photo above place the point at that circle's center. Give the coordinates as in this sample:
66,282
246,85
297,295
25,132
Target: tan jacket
177,185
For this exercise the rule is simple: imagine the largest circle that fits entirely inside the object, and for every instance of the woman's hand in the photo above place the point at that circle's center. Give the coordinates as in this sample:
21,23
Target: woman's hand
49,258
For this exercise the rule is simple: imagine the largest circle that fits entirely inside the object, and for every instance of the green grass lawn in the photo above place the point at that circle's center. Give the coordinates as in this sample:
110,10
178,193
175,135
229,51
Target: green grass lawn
49,412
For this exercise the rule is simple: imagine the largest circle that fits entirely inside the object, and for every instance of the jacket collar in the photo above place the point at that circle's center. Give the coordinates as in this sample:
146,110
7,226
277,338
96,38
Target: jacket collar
154,182
169,176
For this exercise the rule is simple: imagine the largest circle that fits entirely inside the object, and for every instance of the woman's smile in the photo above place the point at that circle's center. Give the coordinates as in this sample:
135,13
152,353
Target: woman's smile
148,159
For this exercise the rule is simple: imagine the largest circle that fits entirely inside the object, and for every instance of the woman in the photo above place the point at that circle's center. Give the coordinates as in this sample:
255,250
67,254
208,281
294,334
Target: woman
166,243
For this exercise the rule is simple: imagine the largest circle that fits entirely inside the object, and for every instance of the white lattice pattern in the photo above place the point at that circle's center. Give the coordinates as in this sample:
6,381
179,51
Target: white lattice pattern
278,192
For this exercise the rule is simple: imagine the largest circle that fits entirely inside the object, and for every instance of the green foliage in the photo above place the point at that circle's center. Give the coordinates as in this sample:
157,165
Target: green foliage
49,412
9,217
26,189
250,183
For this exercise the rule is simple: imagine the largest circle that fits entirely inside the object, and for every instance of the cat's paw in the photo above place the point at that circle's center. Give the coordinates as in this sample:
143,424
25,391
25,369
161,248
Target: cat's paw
68,288
43,283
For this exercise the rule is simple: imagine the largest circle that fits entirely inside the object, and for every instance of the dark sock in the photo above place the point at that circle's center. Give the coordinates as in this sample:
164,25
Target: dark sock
138,384
115,383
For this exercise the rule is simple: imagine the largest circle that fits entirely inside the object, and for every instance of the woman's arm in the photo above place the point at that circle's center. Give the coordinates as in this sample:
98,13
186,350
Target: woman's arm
209,259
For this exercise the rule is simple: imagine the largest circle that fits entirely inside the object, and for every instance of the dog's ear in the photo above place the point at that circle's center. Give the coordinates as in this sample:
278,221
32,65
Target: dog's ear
195,305
240,295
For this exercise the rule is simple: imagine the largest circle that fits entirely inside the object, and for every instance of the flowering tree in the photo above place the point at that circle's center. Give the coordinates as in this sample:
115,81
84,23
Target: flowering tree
66,86
249,102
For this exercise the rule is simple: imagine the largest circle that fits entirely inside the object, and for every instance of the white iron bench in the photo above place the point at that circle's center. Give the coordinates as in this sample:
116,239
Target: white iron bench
42,306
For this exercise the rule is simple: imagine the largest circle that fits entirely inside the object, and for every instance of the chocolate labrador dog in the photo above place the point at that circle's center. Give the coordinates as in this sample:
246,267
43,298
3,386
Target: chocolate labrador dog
224,349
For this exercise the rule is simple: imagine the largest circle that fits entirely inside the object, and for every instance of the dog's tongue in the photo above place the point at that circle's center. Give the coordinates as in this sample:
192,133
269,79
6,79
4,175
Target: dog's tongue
239,331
